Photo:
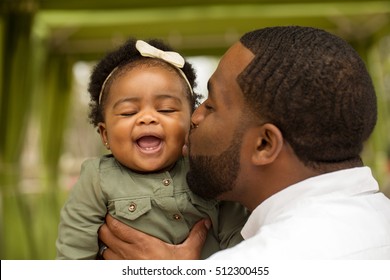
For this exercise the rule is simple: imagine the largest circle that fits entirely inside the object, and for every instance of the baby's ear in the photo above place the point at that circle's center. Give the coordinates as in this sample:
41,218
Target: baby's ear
268,145
103,134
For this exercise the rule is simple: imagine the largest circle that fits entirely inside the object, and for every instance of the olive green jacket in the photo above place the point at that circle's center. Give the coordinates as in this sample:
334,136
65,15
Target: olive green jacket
159,204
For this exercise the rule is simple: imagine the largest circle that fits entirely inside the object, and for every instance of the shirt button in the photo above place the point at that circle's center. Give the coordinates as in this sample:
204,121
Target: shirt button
132,207
166,182
177,217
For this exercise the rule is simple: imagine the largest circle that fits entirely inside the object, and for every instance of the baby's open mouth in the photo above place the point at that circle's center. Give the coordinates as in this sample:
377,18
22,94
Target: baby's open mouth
149,143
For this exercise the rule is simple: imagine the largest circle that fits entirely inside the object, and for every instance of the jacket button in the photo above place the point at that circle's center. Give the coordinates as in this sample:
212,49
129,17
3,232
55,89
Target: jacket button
166,182
132,207
177,217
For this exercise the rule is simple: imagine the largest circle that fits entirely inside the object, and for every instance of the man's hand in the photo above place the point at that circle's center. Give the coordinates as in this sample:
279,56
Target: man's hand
126,243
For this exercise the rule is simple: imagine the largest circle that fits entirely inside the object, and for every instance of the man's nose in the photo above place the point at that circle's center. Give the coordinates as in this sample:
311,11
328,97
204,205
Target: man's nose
198,116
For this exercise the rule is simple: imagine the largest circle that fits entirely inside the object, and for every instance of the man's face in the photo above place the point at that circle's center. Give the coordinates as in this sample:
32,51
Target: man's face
215,145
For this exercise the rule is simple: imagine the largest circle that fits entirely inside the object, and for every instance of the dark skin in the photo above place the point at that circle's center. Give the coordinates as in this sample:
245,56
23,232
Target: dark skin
120,247
268,164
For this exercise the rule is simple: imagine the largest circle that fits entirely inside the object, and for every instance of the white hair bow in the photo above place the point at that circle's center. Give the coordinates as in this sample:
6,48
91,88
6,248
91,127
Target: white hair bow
149,51
173,58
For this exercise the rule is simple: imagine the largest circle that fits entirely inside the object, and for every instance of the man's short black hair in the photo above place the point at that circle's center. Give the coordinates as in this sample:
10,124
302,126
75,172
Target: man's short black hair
314,87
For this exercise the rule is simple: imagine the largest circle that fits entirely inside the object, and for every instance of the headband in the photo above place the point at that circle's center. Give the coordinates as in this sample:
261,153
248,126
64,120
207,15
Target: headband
147,50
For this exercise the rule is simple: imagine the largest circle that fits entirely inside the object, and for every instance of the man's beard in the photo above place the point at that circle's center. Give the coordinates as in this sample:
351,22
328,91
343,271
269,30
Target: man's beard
211,176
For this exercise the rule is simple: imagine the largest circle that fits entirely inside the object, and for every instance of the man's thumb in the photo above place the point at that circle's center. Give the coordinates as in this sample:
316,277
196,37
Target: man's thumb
198,235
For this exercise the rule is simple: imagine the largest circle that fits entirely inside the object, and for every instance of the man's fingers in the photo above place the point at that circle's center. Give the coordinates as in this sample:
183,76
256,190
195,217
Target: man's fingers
109,254
196,240
104,233
125,232
114,244
124,242
128,243
199,232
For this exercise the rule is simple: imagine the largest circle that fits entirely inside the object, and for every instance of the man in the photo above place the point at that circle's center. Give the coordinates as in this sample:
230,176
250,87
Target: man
281,132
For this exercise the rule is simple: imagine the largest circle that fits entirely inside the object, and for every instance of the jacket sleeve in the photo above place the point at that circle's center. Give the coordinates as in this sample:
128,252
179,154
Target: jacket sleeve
231,219
82,215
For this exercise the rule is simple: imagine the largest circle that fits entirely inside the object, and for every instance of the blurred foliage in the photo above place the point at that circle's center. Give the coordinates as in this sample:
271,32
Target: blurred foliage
35,87
29,219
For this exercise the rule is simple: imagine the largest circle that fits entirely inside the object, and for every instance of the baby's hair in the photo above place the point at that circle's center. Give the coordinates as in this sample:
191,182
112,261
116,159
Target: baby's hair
315,88
122,60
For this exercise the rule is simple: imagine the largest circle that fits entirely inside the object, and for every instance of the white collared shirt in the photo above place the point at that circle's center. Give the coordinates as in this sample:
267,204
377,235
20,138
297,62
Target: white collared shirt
338,215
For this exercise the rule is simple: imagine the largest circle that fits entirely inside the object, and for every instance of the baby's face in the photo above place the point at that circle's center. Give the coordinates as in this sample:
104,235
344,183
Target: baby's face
147,116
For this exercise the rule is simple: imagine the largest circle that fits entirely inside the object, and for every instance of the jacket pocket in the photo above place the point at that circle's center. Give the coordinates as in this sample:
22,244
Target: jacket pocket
132,209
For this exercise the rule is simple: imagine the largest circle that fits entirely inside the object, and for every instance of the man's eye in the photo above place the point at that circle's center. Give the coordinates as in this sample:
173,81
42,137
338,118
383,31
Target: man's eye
208,107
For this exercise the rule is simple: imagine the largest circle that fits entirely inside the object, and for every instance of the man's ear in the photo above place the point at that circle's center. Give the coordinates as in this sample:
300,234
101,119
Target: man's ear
268,144
103,134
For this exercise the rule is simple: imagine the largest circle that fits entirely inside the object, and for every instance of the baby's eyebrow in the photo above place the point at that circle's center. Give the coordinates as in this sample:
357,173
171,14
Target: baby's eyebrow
137,99
126,99
166,96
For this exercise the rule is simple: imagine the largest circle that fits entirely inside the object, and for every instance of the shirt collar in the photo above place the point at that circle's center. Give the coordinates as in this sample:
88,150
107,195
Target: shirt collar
346,182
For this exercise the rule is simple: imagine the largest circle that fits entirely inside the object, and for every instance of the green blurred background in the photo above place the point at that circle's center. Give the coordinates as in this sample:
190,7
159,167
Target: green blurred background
47,48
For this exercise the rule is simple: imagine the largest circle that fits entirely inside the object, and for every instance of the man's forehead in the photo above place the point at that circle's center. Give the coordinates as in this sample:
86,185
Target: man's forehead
236,59
224,80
